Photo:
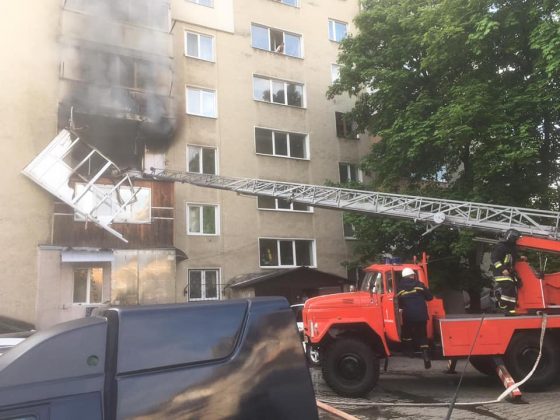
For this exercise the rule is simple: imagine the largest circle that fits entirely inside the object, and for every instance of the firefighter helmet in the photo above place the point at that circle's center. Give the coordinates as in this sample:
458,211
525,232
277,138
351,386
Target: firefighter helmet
407,272
511,236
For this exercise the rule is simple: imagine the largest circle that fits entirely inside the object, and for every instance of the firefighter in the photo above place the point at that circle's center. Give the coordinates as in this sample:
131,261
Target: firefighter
412,296
503,259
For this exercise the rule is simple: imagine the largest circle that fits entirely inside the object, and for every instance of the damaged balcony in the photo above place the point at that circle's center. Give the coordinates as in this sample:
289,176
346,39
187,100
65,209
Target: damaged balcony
98,205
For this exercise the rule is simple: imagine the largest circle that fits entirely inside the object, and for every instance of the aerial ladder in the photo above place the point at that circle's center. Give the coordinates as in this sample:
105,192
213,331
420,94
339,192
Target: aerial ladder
539,227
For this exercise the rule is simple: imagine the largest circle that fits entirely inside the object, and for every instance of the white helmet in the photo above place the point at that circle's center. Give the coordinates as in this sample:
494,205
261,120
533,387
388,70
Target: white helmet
407,272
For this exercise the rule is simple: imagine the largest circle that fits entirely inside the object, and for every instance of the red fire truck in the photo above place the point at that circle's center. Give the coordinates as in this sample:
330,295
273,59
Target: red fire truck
353,331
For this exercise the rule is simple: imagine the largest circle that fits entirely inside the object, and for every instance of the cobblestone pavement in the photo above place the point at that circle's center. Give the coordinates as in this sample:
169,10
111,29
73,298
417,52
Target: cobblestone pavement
407,381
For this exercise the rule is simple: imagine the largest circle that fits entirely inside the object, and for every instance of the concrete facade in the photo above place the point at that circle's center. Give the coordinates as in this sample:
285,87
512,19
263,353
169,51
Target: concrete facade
35,285
232,132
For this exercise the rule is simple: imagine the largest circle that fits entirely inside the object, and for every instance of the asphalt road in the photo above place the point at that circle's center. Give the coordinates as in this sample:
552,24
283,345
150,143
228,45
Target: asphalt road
406,381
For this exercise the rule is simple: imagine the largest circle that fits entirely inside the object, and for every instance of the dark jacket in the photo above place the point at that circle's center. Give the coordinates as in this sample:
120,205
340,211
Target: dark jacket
412,296
504,255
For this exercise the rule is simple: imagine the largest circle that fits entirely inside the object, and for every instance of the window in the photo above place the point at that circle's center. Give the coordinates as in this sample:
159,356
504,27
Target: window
199,46
335,72
203,219
276,40
201,102
138,209
201,160
294,3
271,203
349,172
286,252
345,128
204,284
208,3
88,285
337,30
281,143
348,229
278,91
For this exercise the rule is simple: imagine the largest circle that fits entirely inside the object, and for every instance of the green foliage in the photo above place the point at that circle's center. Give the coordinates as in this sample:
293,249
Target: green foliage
465,88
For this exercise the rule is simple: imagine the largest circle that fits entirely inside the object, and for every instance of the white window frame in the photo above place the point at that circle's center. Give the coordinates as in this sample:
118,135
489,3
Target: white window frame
202,2
88,284
278,240
348,172
201,93
332,30
189,205
286,83
92,197
203,284
198,36
307,148
277,51
335,72
290,210
201,160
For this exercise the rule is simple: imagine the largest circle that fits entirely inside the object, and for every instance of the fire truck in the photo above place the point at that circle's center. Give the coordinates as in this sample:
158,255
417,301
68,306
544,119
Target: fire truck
354,331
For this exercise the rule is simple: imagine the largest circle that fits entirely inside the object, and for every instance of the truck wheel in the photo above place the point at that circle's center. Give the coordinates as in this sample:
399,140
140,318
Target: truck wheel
350,367
312,354
522,353
484,364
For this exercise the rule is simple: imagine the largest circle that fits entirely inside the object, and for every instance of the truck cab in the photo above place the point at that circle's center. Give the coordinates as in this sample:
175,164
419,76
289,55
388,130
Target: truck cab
354,330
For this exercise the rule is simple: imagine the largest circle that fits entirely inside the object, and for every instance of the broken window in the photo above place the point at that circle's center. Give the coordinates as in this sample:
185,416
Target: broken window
201,160
137,210
204,284
66,158
88,285
279,143
283,92
286,252
276,40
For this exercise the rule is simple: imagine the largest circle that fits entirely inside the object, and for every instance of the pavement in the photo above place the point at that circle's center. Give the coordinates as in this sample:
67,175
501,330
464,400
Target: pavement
406,381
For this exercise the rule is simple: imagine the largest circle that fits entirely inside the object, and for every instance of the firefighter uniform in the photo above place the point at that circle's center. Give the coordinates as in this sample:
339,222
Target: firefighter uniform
412,296
503,258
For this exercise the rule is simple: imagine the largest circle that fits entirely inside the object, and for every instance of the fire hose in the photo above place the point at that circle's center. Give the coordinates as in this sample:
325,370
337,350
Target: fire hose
452,403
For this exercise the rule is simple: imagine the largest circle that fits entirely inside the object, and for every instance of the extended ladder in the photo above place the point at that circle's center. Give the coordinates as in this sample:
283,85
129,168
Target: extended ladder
432,211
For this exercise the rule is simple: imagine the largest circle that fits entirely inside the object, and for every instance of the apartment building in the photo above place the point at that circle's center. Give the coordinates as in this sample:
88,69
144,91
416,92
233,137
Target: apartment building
205,86
254,75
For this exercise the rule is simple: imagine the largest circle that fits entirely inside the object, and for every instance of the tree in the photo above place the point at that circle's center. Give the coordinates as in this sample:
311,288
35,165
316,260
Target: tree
464,91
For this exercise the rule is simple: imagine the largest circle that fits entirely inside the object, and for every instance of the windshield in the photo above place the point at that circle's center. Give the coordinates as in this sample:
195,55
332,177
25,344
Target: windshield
373,282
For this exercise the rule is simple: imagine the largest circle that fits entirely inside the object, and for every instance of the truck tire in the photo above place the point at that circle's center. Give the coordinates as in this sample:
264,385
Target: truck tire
350,367
522,353
312,354
484,364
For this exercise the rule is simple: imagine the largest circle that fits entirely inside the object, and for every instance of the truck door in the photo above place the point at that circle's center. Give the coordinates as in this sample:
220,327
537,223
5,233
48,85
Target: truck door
390,309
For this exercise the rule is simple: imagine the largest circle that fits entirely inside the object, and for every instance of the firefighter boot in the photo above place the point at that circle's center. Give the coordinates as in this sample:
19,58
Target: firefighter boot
426,357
